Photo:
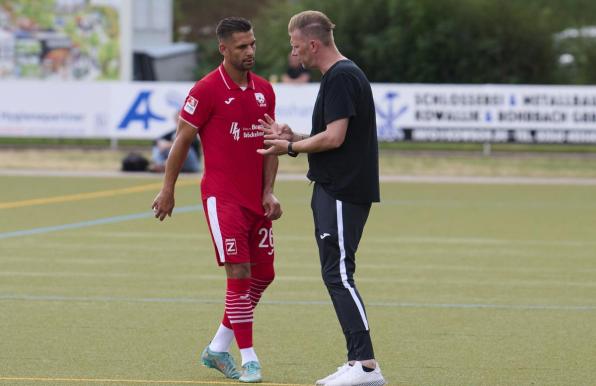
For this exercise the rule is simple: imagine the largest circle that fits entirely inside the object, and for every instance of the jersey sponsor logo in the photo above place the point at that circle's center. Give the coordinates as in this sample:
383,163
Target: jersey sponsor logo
190,105
231,247
254,131
260,99
230,100
235,131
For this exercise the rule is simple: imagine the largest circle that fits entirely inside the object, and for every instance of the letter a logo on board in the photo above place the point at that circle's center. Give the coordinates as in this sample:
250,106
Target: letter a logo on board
140,111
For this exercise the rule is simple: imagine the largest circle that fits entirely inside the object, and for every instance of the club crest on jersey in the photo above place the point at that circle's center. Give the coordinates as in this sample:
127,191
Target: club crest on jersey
231,247
260,99
190,105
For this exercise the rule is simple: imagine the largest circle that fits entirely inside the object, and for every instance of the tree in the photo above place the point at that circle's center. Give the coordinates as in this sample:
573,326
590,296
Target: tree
196,21
431,41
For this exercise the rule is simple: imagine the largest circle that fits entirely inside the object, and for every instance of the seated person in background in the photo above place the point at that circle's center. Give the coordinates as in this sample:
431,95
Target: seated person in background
295,73
161,150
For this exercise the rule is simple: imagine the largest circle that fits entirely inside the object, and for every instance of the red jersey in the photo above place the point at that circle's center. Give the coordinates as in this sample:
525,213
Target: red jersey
226,118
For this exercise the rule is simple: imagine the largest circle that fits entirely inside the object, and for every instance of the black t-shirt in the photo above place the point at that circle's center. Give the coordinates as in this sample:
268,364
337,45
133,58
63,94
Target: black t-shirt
351,172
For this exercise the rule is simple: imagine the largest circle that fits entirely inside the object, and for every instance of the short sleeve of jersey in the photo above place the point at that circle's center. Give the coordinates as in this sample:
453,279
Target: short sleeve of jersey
271,106
340,97
198,105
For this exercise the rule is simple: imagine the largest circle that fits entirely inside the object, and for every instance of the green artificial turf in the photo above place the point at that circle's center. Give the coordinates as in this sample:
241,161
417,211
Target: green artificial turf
464,285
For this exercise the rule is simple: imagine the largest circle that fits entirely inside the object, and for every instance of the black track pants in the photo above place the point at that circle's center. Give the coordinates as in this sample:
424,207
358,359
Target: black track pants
338,229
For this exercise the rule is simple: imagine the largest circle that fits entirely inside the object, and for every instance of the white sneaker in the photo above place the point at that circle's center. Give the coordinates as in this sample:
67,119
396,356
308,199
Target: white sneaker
356,376
340,370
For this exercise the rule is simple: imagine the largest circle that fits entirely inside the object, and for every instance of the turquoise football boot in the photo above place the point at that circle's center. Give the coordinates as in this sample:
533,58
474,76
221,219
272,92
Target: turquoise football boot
251,372
220,361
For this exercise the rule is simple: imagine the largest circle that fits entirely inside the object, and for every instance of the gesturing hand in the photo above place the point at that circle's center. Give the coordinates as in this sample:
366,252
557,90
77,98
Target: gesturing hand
274,130
274,147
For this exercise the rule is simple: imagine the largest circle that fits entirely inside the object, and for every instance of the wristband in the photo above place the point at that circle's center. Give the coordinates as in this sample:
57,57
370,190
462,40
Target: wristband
291,151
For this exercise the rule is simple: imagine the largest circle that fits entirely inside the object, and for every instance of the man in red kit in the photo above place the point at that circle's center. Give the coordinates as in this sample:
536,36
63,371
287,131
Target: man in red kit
224,108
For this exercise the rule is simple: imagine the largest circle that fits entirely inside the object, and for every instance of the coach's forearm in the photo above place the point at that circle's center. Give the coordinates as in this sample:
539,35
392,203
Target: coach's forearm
332,138
298,137
316,143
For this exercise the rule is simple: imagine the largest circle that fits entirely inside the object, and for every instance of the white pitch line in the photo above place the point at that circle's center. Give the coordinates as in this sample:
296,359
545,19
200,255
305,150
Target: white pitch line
549,284
301,177
112,299
90,223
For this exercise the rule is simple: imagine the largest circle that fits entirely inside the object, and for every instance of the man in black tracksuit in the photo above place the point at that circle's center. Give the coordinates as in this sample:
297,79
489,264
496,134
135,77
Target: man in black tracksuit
343,162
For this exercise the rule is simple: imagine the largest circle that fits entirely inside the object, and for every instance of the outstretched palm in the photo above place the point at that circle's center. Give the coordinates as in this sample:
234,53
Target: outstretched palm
274,130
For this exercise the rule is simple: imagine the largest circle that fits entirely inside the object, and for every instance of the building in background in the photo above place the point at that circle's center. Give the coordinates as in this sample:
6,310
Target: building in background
92,40
156,56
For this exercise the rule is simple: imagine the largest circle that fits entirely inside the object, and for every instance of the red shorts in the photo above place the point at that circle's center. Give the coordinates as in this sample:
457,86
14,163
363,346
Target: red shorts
239,235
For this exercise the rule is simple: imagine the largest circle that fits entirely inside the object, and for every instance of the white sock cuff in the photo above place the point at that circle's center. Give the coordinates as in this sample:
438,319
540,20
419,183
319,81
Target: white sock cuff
222,340
248,355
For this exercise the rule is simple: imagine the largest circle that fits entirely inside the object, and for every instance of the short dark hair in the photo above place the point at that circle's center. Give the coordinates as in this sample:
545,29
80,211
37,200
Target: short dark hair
226,27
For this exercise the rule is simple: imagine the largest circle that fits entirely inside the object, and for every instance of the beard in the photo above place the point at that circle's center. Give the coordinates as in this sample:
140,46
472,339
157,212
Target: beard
244,65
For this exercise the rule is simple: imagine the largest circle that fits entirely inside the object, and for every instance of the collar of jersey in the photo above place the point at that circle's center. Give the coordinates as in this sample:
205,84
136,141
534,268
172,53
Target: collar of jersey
230,84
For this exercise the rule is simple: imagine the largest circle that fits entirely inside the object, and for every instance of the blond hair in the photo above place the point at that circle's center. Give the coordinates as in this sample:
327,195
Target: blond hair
313,24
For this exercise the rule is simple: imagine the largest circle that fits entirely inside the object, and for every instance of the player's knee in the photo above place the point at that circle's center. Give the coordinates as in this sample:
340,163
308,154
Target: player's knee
263,273
264,282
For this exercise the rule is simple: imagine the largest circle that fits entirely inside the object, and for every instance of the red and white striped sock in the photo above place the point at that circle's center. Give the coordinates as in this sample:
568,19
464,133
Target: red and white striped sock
226,321
225,334
239,311
262,275
257,287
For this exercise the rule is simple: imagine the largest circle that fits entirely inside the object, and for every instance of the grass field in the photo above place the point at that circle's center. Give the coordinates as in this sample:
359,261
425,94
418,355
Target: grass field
465,284
392,161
